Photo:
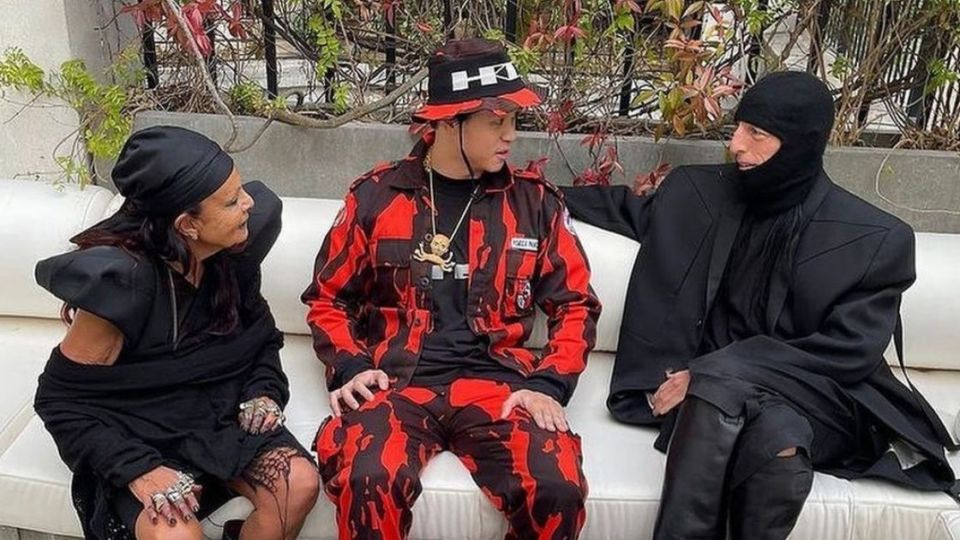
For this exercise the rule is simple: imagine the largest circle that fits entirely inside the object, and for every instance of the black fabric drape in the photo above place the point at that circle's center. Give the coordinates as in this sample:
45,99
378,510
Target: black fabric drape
164,402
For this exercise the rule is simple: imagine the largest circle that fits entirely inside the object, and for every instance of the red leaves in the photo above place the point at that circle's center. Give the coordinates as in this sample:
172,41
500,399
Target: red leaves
145,12
589,177
602,173
569,32
648,182
389,8
686,49
610,163
193,14
537,166
234,21
595,140
557,120
709,87
538,33
198,15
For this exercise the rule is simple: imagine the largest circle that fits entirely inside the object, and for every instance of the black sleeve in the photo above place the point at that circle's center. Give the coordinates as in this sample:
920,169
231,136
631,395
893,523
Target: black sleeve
613,208
852,338
549,386
266,378
105,281
84,441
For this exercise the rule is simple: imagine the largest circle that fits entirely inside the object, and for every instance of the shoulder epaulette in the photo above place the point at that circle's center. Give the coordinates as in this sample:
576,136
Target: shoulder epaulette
373,173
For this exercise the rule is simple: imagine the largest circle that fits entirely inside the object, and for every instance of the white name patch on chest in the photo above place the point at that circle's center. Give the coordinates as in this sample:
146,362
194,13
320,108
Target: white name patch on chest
525,244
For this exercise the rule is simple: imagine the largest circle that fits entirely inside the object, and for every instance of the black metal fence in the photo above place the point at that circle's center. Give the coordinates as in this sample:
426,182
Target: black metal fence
846,28
852,28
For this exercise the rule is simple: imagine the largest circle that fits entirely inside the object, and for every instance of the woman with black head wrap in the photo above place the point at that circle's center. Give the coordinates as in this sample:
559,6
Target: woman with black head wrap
757,315
168,379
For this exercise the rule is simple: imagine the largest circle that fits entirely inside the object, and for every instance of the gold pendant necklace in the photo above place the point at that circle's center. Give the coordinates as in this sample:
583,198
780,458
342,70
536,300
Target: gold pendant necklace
439,249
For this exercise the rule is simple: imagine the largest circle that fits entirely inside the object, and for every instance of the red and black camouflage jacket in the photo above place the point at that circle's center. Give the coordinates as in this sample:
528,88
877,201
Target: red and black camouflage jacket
369,303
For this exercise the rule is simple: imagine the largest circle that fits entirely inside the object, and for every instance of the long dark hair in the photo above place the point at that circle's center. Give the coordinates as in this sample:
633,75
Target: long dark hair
155,237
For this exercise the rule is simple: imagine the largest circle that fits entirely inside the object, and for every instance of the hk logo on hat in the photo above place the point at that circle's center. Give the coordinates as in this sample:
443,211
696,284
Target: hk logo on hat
486,76
461,84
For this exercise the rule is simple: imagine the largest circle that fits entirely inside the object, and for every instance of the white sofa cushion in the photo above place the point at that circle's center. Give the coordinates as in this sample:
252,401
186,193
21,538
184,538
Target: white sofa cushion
624,473
305,224
931,307
25,344
36,221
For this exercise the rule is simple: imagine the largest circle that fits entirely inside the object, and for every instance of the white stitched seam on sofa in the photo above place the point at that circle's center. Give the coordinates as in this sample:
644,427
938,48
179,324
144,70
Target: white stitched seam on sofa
22,418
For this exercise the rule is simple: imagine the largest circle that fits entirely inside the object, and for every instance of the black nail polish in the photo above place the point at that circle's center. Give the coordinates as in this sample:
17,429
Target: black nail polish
173,522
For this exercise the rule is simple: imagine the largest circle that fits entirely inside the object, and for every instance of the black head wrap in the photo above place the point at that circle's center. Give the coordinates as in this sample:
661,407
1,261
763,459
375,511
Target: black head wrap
168,170
798,109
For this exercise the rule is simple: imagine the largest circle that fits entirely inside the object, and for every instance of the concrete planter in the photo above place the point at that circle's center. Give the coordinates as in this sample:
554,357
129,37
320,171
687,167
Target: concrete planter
322,163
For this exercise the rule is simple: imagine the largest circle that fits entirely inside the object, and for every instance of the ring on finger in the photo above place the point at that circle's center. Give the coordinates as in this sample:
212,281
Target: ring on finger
158,499
184,488
174,496
184,483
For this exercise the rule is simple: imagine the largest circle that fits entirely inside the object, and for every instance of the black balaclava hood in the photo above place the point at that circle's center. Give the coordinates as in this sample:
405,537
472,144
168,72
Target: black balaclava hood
798,109
168,170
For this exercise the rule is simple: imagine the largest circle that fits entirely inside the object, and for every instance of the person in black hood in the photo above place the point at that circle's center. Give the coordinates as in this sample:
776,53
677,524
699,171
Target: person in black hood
756,320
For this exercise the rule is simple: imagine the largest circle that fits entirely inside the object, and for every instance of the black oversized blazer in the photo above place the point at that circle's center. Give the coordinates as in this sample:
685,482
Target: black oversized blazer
853,261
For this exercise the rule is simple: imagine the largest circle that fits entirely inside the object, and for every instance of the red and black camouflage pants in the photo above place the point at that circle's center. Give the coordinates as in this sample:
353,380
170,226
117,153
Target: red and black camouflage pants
371,458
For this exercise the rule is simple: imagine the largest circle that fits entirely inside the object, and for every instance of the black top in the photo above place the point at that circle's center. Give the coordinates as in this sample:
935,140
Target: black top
165,401
452,350
734,315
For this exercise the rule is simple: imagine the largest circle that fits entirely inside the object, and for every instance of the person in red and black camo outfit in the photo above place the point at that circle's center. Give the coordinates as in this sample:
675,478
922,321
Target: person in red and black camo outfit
422,300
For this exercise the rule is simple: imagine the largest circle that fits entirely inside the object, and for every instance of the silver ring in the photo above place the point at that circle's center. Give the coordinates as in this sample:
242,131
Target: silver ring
273,409
184,477
184,488
158,499
184,484
174,496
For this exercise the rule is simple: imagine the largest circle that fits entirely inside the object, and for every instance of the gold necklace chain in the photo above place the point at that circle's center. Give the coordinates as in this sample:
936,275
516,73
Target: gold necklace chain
439,251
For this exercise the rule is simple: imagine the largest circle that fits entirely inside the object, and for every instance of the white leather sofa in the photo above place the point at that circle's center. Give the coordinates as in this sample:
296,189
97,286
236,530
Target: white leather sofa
623,470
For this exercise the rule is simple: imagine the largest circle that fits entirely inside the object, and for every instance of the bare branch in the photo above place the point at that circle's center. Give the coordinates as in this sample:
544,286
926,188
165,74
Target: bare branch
174,9
289,117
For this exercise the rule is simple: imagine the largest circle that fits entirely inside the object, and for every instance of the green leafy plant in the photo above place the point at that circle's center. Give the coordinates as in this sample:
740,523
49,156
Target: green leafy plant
103,109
